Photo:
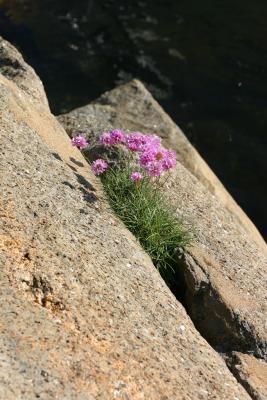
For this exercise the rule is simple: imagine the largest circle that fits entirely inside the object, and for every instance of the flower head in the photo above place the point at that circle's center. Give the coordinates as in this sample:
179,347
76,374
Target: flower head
112,138
152,141
136,141
79,141
157,160
169,160
136,176
154,169
160,154
117,136
99,166
147,156
105,139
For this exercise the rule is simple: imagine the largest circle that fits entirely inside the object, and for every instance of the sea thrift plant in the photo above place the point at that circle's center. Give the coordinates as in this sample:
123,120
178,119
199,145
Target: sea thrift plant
133,187
150,157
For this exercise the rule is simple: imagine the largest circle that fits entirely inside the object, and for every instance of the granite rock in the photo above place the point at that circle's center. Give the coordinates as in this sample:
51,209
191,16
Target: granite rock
14,68
251,372
84,313
225,271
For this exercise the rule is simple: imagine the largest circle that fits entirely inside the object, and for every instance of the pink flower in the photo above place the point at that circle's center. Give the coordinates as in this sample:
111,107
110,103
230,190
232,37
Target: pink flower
161,154
157,160
99,166
117,136
136,176
105,139
112,138
136,141
152,141
154,168
79,141
147,157
169,160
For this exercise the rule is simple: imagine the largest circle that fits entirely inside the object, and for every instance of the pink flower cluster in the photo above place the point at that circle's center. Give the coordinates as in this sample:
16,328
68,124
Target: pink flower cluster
153,158
137,141
157,160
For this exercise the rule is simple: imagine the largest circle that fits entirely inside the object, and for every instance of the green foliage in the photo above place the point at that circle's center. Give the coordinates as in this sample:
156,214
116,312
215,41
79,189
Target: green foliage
145,212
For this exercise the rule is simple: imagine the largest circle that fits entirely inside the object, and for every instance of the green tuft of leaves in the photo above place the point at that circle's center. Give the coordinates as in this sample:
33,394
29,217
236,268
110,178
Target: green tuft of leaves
145,212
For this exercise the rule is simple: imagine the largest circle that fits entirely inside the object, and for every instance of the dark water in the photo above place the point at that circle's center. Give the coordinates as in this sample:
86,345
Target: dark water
204,61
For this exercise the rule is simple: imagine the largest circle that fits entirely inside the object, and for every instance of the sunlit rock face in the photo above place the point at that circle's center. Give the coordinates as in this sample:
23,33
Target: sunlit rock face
84,313
224,270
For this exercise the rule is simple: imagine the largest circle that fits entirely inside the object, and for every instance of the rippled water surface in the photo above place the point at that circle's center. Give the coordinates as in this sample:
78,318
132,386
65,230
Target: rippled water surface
205,62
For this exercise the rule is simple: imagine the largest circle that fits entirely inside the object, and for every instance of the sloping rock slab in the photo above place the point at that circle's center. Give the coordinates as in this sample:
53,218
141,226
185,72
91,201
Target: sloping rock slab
131,106
84,314
13,67
252,373
225,270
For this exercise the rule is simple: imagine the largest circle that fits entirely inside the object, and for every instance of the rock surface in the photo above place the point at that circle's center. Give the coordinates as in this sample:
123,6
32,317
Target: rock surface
13,67
225,271
252,373
84,313
132,107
